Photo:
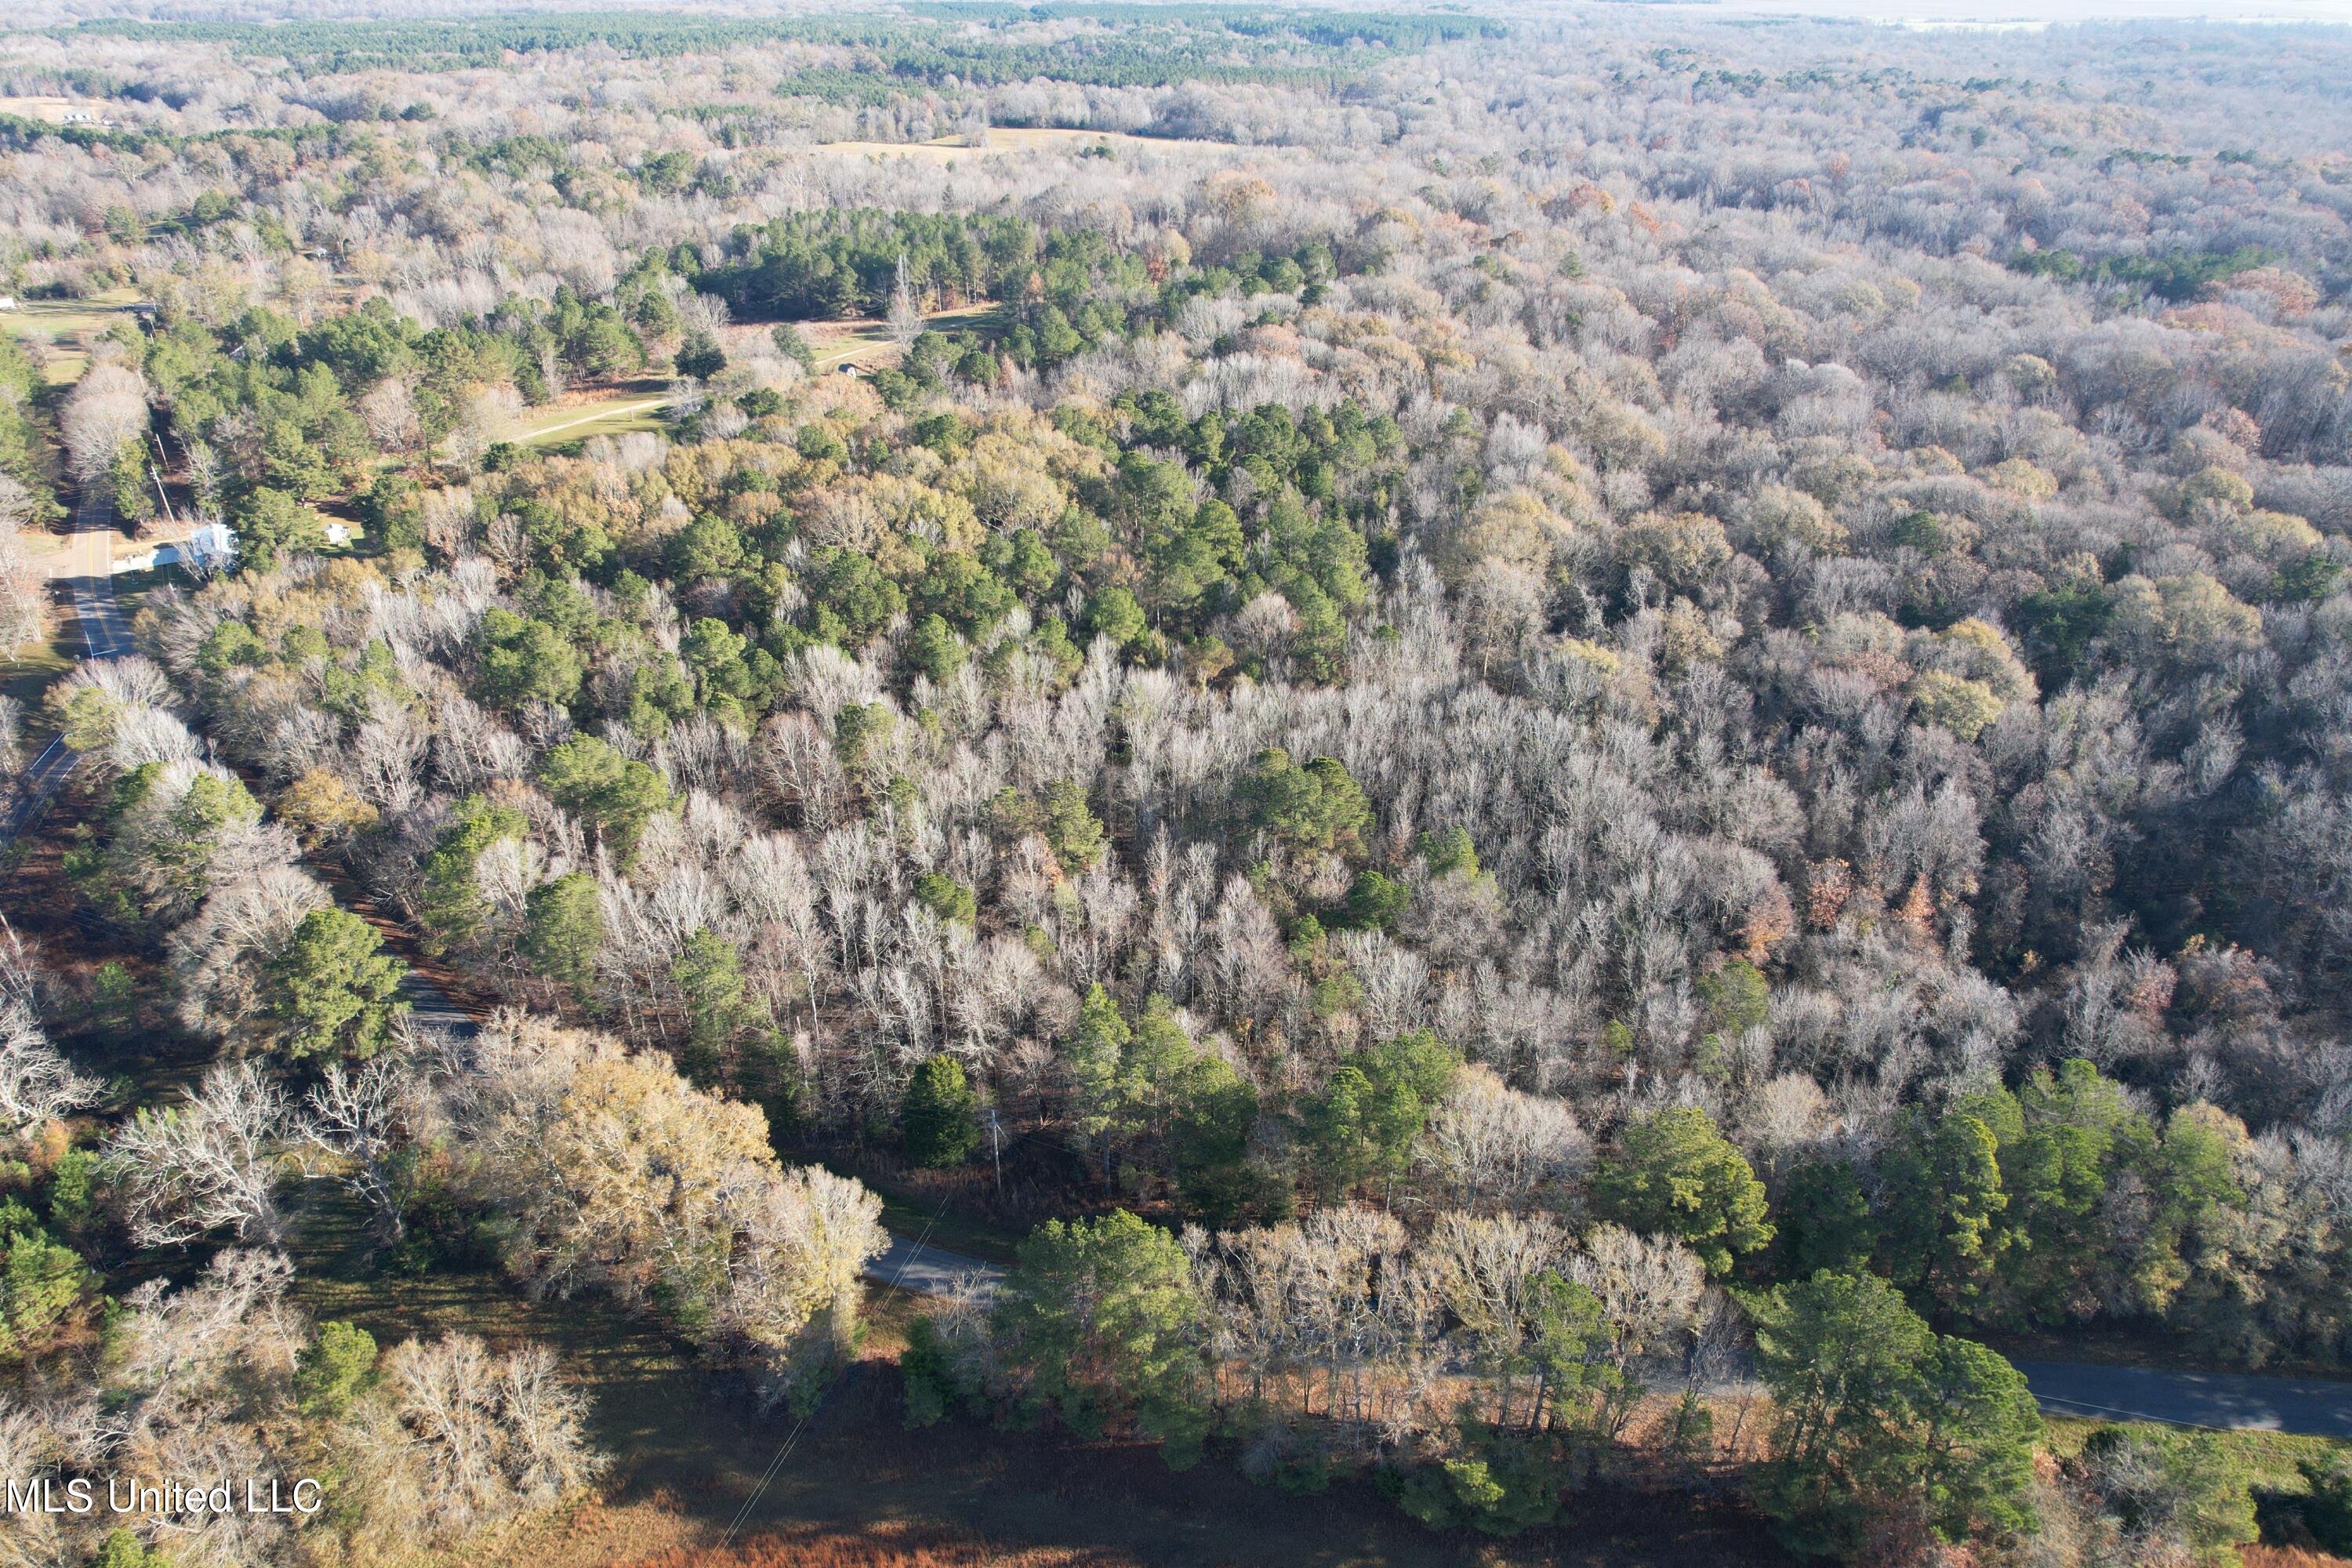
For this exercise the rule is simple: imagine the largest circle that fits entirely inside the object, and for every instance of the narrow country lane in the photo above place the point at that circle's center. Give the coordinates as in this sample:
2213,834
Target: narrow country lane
90,582
2243,1402
927,1269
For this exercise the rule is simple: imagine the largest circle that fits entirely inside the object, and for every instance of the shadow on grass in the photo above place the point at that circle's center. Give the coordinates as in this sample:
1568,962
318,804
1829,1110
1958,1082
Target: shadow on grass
688,1448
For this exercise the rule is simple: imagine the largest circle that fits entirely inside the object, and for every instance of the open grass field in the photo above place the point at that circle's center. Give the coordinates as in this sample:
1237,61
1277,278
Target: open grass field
66,327
50,110
1003,142
610,412
866,343
26,674
637,406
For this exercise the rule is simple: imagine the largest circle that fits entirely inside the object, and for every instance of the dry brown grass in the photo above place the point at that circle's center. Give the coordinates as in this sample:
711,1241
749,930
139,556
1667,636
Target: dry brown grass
886,1546
44,107
2289,1557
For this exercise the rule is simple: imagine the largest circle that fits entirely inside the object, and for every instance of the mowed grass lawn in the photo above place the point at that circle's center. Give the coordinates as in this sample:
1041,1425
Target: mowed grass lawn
27,672
636,406
24,676
68,325
867,343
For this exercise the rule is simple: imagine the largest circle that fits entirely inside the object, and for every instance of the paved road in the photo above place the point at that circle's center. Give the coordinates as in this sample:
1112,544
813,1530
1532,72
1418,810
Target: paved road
2237,1401
91,578
430,1005
930,1270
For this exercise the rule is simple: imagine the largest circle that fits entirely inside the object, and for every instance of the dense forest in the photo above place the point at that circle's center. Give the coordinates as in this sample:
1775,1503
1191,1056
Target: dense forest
1571,749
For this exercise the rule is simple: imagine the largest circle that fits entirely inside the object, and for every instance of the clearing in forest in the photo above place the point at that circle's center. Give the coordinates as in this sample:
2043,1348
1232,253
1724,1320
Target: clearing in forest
69,326
1003,140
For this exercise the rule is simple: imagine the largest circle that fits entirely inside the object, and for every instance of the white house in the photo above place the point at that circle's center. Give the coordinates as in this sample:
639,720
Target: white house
7,302
212,546
208,550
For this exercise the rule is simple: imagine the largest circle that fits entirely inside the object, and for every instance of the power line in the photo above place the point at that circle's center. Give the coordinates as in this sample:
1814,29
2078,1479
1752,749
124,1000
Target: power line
2138,1414
784,1450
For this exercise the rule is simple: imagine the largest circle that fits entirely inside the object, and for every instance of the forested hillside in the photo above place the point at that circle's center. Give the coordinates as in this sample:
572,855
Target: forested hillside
1569,747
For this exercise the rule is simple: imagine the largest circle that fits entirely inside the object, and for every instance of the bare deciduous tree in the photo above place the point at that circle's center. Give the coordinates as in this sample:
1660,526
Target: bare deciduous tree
23,606
906,319
37,1085
212,1164
374,1121
461,1437
107,412
1493,1144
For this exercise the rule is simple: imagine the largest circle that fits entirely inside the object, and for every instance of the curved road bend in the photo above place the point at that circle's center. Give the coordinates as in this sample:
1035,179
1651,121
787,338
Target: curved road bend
2227,1401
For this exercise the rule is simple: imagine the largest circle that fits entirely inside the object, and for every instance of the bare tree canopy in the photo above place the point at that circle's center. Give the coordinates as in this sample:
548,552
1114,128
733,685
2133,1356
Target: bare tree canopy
1568,745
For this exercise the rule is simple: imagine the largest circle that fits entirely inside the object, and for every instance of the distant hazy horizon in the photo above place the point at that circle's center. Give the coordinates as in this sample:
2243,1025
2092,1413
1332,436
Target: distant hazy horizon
2029,13
1924,14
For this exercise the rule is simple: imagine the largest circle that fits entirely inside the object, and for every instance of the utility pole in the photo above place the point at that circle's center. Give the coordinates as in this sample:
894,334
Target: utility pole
996,1149
169,516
